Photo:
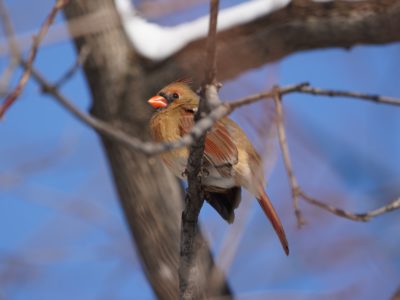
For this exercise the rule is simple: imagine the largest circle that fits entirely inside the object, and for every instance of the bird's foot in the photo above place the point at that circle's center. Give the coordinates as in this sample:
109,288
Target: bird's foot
204,172
185,173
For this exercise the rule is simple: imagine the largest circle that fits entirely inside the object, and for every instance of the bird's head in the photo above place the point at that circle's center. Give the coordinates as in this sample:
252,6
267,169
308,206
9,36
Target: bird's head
174,94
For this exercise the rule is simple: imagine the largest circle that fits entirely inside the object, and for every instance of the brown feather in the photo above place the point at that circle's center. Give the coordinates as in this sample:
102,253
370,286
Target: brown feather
186,80
219,146
270,212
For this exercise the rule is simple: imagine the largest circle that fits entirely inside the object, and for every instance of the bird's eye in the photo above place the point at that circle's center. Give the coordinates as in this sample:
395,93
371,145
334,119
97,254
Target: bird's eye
175,95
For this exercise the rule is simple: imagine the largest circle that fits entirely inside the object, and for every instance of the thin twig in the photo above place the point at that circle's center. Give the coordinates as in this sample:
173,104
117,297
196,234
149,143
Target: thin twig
9,31
360,217
31,57
12,46
6,76
211,61
355,95
266,95
83,55
286,157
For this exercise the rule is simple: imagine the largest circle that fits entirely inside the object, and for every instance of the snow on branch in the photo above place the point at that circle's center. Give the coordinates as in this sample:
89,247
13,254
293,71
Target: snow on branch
157,42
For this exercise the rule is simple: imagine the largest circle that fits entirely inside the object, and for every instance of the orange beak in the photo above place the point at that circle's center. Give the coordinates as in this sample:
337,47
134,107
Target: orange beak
158,102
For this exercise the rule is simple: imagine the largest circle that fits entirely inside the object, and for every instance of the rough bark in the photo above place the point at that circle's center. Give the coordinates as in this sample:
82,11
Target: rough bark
302,25
150,196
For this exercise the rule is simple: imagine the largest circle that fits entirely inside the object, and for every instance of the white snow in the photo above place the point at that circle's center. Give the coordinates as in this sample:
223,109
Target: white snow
157,42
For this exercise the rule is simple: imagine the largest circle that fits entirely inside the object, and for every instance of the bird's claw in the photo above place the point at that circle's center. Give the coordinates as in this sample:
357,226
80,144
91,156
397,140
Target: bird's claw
204,172
185,173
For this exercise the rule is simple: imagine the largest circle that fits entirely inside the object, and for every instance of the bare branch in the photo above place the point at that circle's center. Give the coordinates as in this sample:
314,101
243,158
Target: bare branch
297,192
267,95
355,95
305,88
8,31
300,26
118,135
211,62
286,158
361,217
190,245
31,57
83,54
12,46
6,76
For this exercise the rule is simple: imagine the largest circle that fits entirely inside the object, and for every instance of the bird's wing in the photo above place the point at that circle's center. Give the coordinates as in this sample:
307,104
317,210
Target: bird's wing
220,149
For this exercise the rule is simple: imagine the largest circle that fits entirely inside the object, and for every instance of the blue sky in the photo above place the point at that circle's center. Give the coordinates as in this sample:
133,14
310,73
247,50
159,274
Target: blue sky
63,235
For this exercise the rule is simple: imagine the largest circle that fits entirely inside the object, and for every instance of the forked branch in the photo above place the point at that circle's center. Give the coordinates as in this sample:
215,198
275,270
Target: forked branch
297,192
31,57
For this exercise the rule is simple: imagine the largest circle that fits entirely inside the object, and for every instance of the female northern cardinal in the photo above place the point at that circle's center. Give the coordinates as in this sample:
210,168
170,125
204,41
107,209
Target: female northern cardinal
230,160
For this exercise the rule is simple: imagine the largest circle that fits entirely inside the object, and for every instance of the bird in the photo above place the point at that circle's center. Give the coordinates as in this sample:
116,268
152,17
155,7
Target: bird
230,161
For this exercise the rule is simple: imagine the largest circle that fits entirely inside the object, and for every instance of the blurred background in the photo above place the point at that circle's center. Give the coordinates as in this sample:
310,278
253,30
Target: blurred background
62,233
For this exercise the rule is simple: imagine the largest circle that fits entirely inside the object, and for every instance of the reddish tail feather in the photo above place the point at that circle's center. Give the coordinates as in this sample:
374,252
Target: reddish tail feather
270,212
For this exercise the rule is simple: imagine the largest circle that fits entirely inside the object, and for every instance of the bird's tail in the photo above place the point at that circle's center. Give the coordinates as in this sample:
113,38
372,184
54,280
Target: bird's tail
270,212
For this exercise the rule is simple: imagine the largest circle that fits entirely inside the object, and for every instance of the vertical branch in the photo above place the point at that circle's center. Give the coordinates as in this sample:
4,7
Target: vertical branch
211,60
286,157
209,91
191,245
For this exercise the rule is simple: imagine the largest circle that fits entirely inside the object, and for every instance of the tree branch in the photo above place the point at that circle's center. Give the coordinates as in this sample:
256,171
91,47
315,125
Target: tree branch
361,217
297,192
32,55
12,46
211,60
286,157
301,25
349,94
189,285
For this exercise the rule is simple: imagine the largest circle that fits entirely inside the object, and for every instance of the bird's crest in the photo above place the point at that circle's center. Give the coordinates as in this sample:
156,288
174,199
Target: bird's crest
186,80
